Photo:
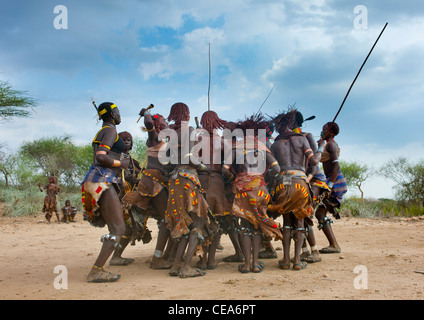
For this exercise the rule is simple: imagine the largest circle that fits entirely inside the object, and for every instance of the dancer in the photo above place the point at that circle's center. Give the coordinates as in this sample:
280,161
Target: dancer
293,197
251,160
318,187
212,181
187,210
151,195
100,192
128,181
337,184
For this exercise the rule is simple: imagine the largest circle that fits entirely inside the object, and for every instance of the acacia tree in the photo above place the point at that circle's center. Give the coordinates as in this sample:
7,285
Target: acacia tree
14,103
52,156
5,165
82,159
409,179
355,174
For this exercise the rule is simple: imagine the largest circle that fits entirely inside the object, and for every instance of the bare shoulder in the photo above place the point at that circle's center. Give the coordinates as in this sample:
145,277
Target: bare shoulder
331,145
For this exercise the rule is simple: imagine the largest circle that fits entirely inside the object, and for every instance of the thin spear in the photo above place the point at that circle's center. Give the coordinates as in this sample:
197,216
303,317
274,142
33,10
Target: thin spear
209,86
359,72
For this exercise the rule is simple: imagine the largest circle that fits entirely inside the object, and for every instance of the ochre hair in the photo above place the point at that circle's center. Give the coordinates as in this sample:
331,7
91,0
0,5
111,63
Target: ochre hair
211,121
179,112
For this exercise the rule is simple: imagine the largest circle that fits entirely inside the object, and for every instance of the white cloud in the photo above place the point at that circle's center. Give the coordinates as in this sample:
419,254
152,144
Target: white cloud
309,48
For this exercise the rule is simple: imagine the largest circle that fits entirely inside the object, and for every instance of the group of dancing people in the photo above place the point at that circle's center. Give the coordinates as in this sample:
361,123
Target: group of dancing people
200,183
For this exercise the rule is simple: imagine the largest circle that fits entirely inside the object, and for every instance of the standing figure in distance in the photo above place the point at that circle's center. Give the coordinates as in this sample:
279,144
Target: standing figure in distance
50,204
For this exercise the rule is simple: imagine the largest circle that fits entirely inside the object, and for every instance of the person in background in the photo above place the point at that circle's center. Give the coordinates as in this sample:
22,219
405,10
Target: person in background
50,204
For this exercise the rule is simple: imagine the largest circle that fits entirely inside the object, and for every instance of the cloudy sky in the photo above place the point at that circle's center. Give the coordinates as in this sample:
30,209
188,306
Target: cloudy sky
135,53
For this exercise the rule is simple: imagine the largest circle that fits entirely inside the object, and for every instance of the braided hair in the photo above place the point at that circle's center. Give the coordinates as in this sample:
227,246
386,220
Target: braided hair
179,112
211,121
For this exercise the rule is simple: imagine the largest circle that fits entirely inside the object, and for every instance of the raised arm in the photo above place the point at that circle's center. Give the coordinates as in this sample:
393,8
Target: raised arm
149,124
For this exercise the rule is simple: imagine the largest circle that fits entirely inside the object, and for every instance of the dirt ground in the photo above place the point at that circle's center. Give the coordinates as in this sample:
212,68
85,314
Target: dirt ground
389,251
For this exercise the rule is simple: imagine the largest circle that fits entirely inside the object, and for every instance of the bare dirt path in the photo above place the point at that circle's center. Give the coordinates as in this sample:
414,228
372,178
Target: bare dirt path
390,250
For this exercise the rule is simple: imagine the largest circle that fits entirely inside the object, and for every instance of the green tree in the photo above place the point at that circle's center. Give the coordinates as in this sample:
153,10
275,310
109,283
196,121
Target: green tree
409,179
14,103
138,151
25,172
52,156
355,174
82,160
6,165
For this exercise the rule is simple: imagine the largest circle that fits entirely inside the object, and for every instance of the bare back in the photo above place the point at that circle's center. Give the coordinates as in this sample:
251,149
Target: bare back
290,153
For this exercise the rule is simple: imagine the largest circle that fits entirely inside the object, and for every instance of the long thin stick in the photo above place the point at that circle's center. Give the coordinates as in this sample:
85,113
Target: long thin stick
266,98
94,104
209,86
359,72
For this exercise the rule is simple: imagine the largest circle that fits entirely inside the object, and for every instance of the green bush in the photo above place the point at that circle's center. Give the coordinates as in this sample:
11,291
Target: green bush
29,201
380,208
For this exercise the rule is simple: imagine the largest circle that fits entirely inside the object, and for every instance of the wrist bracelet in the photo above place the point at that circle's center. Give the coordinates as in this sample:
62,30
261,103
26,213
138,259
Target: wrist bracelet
116,163
330,185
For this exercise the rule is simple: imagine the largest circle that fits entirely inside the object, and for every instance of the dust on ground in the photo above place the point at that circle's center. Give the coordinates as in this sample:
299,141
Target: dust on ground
385,254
